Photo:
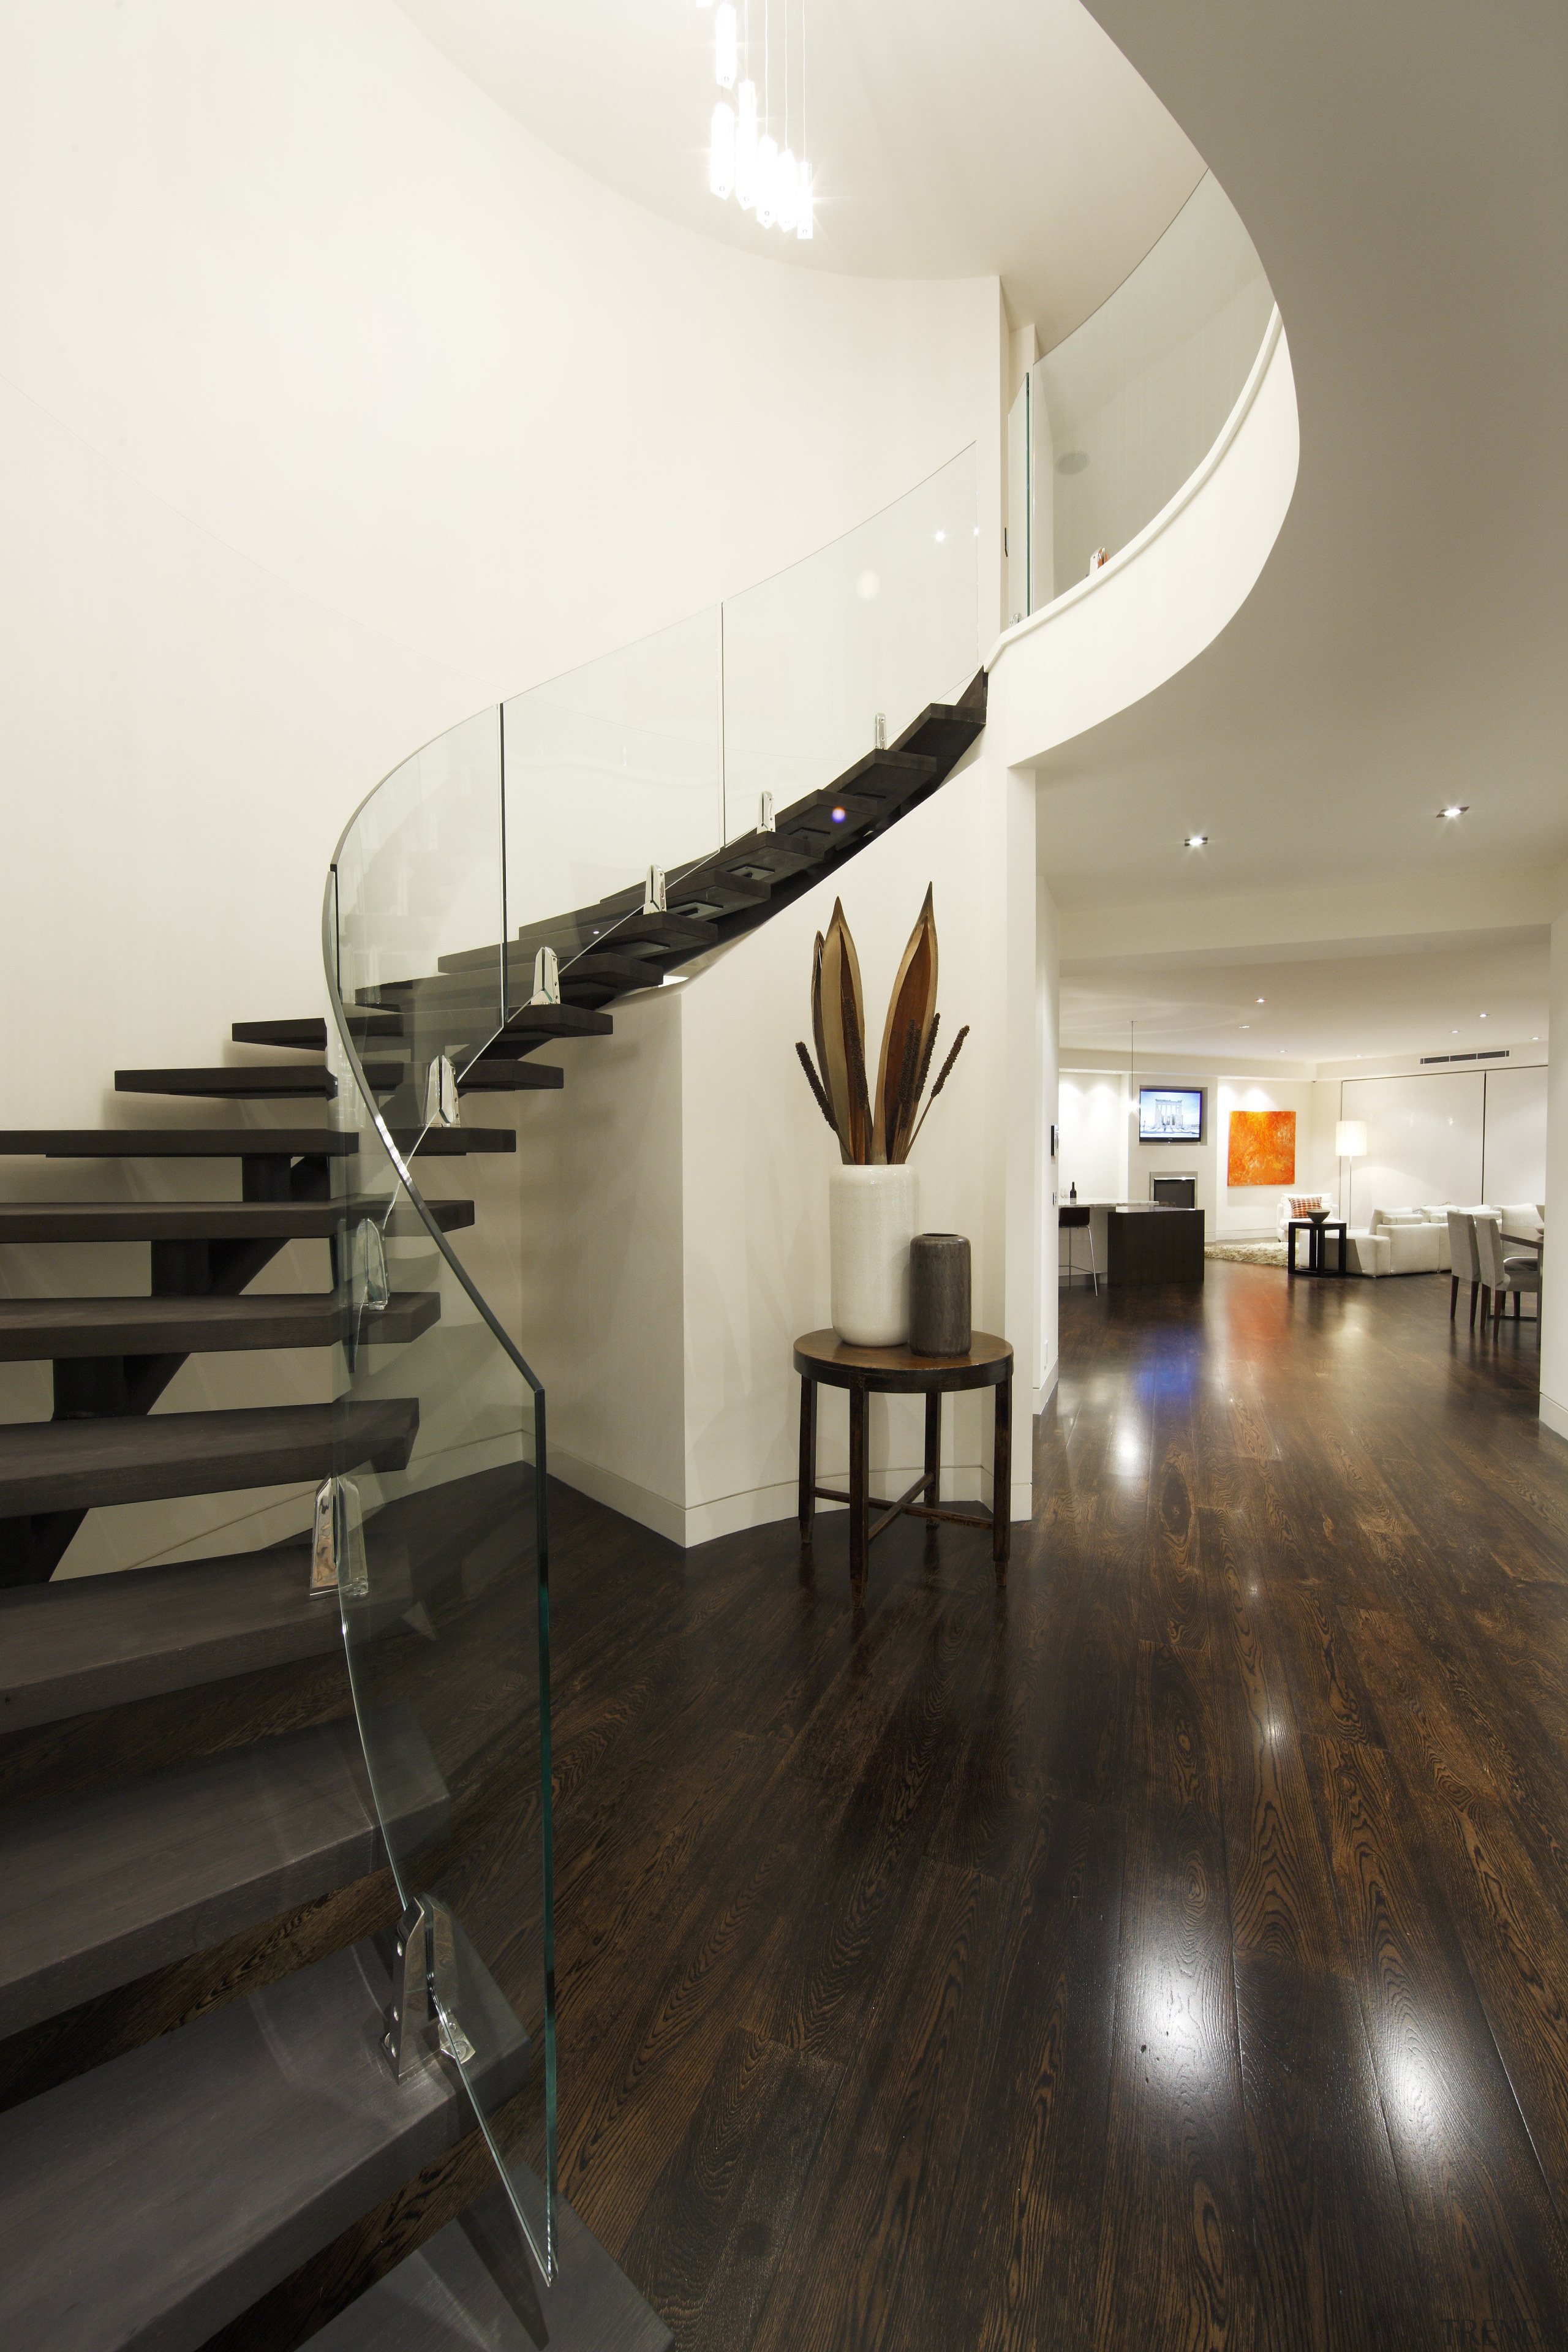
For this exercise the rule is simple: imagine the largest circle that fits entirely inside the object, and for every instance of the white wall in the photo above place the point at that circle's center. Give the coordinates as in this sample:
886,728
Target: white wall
335,405
1053,1184
1554,1264
678,1219
1252,1210
1448,1135
1092,1150
1514,1139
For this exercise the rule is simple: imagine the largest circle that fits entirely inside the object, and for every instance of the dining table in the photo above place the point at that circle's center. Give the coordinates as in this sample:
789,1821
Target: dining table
1535,1239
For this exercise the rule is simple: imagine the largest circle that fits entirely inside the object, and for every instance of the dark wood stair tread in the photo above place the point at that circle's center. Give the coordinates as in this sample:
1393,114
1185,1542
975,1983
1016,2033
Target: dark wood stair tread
309,1034
65,1465
107,1884
452,1142
234,1142
33,1329
596,976
471,2284
511,1077
261,1082
256,1081
537,1025
132,1221
175,1143
886,776
944,730
155,2198
89,1641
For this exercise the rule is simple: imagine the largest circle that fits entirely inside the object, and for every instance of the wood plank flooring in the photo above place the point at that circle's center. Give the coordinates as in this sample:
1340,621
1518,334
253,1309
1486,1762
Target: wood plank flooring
1170,1951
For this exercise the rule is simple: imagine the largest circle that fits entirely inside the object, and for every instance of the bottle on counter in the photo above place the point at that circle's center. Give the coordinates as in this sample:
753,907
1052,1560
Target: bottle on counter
1072,1192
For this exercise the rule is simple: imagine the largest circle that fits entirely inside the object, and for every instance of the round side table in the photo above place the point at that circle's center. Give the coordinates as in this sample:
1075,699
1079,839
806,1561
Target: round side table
823,1358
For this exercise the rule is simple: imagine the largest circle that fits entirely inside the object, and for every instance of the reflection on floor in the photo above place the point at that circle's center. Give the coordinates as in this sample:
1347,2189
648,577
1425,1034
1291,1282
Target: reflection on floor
1169,1952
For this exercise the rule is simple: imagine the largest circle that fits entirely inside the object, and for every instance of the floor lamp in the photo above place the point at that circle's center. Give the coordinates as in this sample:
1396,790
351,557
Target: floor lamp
1350,1143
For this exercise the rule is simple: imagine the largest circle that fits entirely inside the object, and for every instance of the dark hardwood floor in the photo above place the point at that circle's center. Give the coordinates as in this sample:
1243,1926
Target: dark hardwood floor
1170,1951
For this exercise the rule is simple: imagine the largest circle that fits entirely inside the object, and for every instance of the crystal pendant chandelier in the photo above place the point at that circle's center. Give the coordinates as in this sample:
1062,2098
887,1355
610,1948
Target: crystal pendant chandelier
746,159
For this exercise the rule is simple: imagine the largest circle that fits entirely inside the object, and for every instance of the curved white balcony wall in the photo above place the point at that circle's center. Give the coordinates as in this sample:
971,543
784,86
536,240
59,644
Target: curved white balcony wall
1155,605
1122,412
335,405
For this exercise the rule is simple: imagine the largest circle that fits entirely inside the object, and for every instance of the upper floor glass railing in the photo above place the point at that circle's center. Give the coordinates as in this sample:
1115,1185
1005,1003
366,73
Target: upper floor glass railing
532,827
1109,424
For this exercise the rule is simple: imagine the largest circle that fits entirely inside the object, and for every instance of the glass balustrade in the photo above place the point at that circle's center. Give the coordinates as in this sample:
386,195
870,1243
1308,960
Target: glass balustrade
525,834
1118,416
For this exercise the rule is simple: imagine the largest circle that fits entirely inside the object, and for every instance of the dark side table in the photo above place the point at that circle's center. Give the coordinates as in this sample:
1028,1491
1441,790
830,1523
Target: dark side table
1316,1257
822,1357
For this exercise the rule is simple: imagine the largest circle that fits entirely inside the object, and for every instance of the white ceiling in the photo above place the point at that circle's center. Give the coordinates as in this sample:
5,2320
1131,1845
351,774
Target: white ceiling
1006,138
1376,999
1404,173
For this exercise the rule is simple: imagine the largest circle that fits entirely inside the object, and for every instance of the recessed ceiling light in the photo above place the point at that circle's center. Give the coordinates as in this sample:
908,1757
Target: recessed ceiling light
1197,840
837,815
1535,1041
1260,999
1246,1024
1455,808
1483,1016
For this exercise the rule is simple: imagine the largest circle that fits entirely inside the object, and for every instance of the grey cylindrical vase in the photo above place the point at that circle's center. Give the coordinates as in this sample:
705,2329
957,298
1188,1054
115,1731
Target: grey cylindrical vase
938,1295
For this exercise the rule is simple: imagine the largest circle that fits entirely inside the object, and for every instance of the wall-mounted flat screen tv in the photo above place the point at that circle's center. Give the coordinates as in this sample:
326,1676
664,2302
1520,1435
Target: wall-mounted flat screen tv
1170,1114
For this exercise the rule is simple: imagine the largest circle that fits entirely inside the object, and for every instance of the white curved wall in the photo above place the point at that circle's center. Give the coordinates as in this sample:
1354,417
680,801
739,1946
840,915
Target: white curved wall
1163,597
334,406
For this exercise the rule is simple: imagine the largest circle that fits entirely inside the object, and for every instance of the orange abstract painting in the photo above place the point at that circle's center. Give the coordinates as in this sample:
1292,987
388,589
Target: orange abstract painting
1262,1147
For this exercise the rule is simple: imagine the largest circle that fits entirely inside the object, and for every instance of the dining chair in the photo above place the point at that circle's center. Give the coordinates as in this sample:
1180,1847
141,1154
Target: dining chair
1463,1263
1501,1275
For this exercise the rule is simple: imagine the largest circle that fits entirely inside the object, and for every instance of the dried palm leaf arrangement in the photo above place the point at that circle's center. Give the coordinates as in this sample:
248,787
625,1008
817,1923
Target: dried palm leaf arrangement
875,1128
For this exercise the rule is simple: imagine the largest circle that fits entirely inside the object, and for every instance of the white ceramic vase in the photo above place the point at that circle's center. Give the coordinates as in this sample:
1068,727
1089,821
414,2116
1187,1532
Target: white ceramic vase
872,1217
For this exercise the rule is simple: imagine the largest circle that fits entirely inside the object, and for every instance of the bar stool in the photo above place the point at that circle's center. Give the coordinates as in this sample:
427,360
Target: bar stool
1072,1217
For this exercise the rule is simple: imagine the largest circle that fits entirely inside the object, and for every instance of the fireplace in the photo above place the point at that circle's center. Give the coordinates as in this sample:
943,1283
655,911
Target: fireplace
1174,1192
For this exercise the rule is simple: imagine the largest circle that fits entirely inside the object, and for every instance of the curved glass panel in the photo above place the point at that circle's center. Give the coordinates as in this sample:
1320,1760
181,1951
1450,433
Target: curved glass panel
873,626
1124,411
610,768
437,1513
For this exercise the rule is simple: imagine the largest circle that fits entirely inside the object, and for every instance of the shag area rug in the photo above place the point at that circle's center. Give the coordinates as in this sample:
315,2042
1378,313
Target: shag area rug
1248,1253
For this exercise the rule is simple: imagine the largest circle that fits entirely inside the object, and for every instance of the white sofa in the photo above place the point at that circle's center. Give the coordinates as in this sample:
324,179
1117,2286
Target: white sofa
1417,1242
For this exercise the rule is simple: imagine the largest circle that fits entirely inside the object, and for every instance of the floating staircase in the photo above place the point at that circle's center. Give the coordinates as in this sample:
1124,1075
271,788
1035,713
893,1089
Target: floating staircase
194,2104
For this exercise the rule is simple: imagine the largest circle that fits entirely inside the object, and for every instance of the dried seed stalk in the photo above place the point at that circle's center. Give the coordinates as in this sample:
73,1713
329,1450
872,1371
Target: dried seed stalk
904,1101
814,1083
942,1078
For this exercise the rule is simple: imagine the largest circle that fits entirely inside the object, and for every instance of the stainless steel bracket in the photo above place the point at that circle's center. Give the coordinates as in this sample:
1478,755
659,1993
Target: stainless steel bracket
546,977
370,1286
421,2023
653,892
441,1105
338,1561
